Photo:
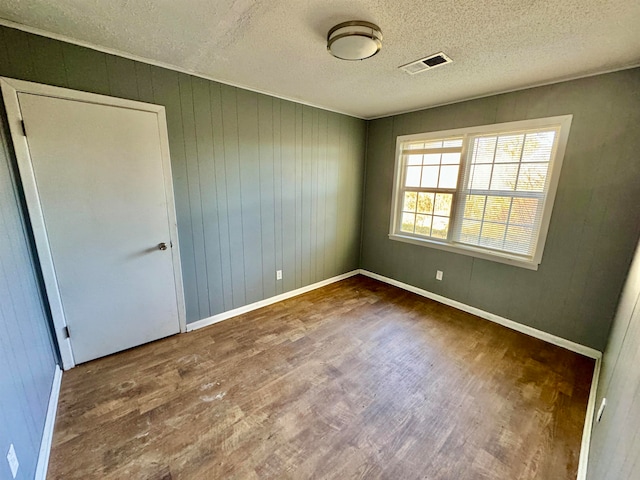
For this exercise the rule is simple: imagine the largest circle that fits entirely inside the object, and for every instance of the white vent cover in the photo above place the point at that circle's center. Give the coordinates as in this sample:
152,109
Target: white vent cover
427,63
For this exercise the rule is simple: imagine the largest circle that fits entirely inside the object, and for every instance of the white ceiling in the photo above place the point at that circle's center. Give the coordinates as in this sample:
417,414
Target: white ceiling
279,46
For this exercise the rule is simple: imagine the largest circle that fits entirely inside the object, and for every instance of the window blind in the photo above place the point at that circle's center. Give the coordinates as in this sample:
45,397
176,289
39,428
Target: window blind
485,191
503,189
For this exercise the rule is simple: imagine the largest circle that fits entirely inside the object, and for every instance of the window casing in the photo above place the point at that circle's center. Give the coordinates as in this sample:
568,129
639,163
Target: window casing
484,191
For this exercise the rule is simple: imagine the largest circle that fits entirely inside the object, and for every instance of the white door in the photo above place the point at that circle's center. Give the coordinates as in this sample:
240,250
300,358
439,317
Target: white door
99,176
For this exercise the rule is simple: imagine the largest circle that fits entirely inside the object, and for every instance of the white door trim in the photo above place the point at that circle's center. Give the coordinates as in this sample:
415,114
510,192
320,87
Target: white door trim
10,89
49,422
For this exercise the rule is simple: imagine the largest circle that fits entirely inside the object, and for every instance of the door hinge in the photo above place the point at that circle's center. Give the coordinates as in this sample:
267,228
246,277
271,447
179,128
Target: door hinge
66,333
24,129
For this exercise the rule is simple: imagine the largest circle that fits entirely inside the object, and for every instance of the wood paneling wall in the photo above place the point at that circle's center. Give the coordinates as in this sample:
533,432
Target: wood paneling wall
261,184
594,227
615,441
27,359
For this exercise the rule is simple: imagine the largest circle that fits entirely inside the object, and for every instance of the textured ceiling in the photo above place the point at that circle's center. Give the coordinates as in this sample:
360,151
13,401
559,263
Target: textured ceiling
279,46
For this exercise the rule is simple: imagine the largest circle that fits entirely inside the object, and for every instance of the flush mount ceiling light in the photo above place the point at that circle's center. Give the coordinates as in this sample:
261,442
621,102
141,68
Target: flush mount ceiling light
355,40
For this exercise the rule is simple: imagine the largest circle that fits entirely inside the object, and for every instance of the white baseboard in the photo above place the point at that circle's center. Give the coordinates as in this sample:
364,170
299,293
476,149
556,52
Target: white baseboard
205,322
588,422
533,332
47,434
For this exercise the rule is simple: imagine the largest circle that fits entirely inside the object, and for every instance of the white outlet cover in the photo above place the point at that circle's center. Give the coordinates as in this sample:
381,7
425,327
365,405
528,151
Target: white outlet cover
439,275
601,410
12,458
279,275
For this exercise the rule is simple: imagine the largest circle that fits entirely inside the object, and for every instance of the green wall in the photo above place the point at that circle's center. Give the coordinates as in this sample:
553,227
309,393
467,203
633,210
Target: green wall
264,184
261,184
27,357
594,227
615,440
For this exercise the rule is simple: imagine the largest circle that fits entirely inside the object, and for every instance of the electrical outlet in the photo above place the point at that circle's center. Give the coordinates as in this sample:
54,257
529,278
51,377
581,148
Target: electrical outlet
278,274
12,458
439,274
601,410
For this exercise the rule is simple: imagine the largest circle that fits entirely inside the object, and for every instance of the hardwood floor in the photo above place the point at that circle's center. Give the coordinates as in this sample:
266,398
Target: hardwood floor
354,380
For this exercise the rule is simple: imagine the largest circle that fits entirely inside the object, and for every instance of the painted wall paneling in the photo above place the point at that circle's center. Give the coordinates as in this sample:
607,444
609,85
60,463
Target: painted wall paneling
261,184
27,357
615,441
593,229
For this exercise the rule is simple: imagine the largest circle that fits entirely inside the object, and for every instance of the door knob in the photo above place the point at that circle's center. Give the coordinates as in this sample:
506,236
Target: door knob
162,246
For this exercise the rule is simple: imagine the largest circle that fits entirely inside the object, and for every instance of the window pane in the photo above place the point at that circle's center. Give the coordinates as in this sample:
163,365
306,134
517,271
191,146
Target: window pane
498,186
449,176
504,177
440,227
474,207
532,177
538,146
425,202
497,209
413,146
408,222
509,148
443,204
480,175
483,149
451,158
454,142
423,224
523,210
409,201
433,144
470,231
518,239
413,177
492,234
432,159
414,159
429,177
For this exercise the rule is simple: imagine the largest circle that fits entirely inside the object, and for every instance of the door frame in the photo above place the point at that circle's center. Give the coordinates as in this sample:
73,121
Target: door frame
10,89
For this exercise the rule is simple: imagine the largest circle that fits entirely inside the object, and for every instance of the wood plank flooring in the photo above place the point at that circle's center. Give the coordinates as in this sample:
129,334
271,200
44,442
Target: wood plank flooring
358,379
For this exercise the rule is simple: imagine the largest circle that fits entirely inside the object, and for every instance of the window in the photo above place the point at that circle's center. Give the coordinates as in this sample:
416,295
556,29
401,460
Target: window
483,191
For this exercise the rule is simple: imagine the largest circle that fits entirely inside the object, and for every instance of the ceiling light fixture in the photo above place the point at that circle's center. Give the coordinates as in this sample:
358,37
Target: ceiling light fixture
355,40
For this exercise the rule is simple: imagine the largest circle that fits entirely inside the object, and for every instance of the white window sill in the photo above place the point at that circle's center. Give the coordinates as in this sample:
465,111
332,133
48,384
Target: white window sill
513,260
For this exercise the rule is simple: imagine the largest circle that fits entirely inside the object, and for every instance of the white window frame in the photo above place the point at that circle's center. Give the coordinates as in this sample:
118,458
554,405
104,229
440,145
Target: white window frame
562,123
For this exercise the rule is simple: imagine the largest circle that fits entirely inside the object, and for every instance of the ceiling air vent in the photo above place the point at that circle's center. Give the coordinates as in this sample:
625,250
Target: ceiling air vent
427,63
